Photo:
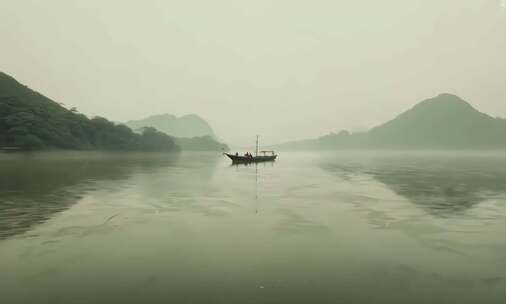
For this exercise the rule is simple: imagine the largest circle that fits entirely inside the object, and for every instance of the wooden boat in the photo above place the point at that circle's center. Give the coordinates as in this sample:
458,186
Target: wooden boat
266,156
252,159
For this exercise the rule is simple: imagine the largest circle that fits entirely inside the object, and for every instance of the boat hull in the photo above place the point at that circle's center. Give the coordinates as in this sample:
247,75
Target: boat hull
254,159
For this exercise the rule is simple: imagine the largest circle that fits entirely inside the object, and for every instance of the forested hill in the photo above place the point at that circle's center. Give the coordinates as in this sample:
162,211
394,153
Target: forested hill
29,120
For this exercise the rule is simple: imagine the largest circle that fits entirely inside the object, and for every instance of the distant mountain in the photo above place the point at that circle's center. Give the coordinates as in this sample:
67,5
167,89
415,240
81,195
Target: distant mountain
200,143
443,122
191,132
29,120
185,126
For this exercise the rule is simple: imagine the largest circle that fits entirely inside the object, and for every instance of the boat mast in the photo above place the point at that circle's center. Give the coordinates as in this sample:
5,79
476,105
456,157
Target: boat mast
256,152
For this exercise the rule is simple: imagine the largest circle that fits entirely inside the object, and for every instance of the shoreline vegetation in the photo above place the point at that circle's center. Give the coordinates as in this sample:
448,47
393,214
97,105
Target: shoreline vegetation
29,121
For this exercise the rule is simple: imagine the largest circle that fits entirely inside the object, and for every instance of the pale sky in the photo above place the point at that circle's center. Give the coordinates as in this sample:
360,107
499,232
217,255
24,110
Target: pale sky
284,69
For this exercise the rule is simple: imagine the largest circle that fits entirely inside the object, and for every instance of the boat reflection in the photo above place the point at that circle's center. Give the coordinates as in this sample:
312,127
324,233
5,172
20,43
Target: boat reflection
256,165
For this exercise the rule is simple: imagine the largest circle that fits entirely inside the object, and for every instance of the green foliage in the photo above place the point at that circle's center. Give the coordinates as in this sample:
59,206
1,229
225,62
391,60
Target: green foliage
29,142
29,120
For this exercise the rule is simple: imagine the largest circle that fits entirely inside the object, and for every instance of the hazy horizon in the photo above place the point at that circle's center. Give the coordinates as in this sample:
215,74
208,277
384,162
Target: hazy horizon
286,70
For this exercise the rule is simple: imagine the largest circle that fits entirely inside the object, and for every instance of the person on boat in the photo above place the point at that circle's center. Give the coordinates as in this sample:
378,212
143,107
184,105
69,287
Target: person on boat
236,153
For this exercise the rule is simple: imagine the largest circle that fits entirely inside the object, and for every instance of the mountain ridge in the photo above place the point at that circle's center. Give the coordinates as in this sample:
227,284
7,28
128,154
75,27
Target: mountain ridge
445,121
191,132
189,125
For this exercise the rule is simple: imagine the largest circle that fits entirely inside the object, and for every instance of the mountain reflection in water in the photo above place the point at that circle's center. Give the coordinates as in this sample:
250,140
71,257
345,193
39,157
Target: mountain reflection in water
442,184
35,187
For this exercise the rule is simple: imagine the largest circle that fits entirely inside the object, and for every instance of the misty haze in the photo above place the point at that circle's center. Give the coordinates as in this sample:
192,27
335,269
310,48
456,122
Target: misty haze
253,152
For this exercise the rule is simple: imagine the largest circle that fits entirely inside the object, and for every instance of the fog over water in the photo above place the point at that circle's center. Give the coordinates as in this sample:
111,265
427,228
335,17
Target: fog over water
283,69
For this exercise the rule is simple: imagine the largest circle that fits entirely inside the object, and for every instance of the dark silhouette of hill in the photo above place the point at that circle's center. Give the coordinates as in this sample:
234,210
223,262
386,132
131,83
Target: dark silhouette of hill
190,132
200,143
443,122
29,120
185,126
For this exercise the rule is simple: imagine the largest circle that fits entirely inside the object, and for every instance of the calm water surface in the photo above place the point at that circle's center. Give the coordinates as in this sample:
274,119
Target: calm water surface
310,228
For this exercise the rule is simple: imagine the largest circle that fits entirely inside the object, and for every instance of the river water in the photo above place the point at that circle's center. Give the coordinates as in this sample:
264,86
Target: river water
350,227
